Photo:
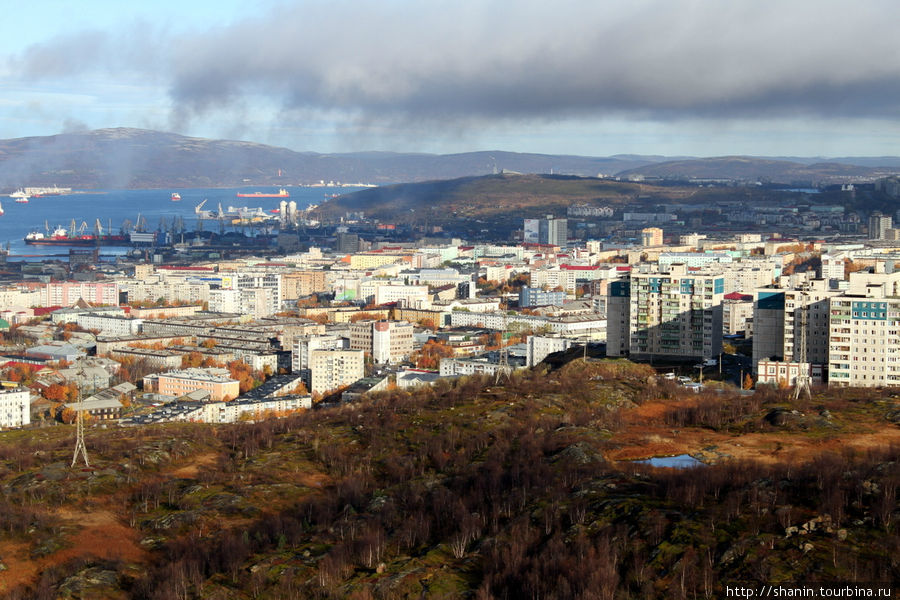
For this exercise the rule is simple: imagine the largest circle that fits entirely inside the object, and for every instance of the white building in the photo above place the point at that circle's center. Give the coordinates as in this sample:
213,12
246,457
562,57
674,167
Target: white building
109,324
864,336
331,369
15,407
386,341
539,347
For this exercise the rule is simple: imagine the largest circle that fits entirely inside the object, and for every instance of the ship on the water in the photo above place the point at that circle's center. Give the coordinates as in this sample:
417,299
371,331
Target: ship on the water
61,237
20,196
176,197
282,193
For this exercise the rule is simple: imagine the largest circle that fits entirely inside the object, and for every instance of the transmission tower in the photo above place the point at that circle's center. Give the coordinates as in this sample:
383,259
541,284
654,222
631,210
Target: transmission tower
79,433
503,369
801,323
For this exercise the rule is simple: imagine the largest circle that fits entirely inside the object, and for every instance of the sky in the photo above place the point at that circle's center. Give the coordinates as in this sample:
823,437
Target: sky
665,77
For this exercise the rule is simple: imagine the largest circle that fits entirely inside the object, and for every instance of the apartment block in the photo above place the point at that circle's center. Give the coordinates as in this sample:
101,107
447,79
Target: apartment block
386,341
300,284
217,382
15,407
331,369
651,236
540,346
778,318
864,341
618,318
537,297
676,313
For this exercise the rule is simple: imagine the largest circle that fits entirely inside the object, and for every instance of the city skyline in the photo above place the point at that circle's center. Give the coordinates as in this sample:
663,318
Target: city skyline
686,78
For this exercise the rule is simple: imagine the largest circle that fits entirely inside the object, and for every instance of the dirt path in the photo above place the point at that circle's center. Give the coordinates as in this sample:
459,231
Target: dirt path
192,469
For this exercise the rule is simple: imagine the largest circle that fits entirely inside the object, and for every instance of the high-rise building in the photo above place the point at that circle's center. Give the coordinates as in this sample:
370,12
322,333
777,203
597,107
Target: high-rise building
878,226
347,243
778,315
673,313
864,335
651,236
551,231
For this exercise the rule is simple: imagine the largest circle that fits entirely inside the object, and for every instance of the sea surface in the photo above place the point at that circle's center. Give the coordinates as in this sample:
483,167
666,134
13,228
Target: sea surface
114,207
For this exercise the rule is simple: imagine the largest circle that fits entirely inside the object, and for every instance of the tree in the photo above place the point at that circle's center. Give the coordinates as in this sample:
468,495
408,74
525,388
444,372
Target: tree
748,382
430,355
55,392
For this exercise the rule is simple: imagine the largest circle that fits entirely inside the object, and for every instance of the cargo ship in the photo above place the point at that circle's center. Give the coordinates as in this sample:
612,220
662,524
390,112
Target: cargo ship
282,193
61,237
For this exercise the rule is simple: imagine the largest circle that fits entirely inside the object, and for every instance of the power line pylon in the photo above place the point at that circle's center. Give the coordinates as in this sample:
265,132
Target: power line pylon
503,369
79,433
801,323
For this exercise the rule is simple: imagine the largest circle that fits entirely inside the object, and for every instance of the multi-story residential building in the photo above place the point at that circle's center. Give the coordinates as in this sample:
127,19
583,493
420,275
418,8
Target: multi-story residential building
15,407
415,296
256,302
171,291
109,324
555,277
618,318
676,313
300,284
693,259
303,347
67,293
386,341
832,266
14,297
864,341
529,297
217,382
778,316
551,231
878,226
540,346
651,236
331,369
812,299
737,314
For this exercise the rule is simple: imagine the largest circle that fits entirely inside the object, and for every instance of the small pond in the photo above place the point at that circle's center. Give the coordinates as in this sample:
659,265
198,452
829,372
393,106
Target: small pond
682,461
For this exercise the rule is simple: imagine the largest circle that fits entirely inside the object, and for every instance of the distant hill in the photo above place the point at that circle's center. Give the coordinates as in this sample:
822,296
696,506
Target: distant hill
137,158
488,196
746,168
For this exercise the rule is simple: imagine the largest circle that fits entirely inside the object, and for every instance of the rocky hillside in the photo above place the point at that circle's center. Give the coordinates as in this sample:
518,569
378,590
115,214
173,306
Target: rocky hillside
467,490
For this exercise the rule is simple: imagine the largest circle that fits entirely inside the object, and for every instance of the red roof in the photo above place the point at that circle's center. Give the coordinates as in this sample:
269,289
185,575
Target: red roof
579,267
625,268
40,311
738,296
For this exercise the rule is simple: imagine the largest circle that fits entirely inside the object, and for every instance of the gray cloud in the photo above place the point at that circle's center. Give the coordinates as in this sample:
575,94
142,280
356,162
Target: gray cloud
473,62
